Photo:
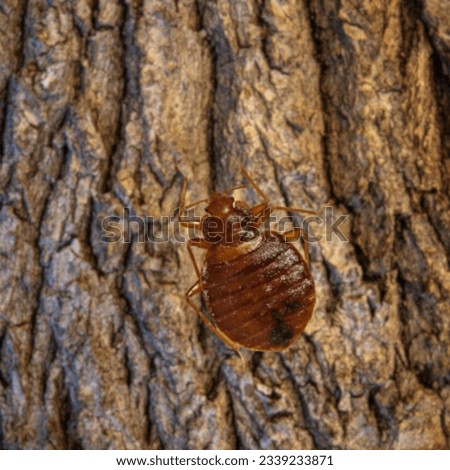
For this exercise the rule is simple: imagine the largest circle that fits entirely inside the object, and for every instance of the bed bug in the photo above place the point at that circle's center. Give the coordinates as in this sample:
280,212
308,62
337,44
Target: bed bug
256,286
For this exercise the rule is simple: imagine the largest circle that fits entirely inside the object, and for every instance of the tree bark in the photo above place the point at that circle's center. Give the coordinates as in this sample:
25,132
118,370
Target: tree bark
104,103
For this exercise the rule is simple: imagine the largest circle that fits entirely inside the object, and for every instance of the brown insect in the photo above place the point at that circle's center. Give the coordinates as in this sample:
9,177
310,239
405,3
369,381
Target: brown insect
256,286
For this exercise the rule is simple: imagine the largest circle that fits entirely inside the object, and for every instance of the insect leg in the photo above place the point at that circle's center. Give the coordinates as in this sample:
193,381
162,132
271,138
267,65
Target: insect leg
266,199
192,204
294,209
197,289
293,234
199,243
262,211
182,204
255,186
234,188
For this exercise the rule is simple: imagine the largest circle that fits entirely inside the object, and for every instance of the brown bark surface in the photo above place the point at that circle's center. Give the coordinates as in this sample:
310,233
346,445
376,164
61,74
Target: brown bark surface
343,104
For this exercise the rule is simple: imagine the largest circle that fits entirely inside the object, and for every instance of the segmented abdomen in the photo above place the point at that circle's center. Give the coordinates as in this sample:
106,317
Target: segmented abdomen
262,299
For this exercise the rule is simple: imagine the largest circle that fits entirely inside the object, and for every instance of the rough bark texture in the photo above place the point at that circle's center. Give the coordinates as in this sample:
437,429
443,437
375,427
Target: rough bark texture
341,103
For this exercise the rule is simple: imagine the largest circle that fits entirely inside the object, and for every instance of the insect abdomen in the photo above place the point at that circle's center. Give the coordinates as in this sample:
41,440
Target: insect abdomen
262,299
